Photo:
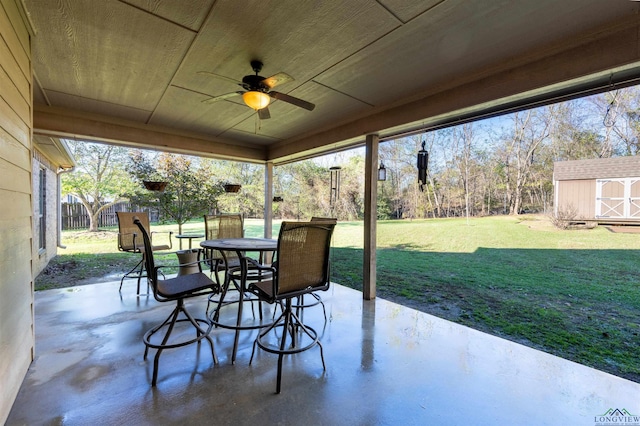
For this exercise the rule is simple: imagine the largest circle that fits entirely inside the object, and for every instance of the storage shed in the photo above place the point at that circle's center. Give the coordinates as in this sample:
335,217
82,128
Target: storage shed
604,190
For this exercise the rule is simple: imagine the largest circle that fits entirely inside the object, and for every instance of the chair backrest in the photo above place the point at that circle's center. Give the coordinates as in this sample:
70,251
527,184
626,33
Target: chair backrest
223,226
128,233
333,220
324,219
303,257
152,274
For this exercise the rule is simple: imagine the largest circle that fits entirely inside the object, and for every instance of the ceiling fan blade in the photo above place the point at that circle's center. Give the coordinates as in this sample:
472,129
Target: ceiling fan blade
221,97
277,79
264,113
221,77
292,100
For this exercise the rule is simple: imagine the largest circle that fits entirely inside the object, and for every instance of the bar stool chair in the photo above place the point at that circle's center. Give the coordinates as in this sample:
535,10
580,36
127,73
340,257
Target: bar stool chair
302,268
129,241
176,290
317,299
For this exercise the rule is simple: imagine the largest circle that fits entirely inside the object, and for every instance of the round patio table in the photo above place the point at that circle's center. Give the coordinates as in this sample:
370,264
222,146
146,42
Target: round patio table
188,237
241,246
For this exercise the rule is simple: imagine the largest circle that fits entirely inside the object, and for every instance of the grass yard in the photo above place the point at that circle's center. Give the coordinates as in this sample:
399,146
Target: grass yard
573,293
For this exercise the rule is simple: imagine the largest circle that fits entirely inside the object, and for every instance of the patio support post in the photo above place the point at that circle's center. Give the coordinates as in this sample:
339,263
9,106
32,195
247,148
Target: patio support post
370,217
268,199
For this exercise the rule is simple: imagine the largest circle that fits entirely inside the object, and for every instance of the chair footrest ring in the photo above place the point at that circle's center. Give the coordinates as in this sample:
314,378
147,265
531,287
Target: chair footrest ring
234,326
276,350
204,333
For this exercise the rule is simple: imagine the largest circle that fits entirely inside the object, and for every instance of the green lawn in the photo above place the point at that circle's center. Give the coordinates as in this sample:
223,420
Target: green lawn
573,293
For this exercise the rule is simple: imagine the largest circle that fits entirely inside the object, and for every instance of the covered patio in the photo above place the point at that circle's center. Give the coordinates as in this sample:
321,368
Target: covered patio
386,364
166,75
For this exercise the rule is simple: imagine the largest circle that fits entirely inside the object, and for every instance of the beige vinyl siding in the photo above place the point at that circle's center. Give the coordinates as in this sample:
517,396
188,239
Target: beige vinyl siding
42,257
16,226
578,195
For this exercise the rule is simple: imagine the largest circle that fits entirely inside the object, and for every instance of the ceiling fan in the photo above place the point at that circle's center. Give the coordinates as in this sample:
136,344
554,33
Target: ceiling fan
257,91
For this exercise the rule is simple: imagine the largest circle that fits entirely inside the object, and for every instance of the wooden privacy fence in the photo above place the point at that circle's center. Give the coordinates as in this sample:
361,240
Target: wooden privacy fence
74,215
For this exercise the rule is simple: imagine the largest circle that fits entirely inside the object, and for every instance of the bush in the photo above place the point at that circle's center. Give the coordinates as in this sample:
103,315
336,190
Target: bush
564,217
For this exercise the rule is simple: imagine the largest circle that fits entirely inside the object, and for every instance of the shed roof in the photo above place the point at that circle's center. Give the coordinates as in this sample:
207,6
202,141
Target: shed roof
599,168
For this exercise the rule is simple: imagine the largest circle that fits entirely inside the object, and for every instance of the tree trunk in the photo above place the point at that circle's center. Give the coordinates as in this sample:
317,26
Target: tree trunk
93,222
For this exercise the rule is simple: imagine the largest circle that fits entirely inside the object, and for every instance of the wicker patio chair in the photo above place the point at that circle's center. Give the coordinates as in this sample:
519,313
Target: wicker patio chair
317,299
174,290
130,241
302,268
218,227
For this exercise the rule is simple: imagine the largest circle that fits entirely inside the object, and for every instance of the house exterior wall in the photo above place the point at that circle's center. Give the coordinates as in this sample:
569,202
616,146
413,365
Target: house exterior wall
42,256
16,278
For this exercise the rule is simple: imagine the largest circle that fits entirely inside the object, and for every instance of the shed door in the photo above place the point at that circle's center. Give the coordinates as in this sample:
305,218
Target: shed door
618,198
634,197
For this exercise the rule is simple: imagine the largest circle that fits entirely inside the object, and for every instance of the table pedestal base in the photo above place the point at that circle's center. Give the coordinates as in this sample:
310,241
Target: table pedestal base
185,257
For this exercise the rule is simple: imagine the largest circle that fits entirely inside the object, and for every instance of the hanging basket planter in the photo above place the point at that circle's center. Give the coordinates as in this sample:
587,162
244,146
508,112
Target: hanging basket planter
232,188
154,185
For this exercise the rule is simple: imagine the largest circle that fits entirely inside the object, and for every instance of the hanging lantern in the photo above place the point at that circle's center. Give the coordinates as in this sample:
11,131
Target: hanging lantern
423,162
335,185
382,172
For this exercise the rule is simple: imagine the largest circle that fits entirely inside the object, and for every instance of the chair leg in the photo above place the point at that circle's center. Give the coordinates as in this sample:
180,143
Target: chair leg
170,322
291,324
309,332
300,305
143,267
156,359
287,323
199,332
319,299
224,288
139,265
223,293
140,272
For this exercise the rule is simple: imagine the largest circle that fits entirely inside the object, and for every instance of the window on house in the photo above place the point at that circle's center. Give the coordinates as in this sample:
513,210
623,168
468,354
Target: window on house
42,209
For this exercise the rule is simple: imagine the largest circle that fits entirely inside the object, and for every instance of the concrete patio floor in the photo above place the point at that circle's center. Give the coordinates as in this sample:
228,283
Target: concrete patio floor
386,365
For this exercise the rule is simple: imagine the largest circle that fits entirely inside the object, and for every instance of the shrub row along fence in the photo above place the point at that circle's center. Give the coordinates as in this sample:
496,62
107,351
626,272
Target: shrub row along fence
74,215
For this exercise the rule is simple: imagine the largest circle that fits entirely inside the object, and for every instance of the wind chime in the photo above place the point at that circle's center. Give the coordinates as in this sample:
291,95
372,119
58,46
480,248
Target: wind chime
423,162
335,185
609,119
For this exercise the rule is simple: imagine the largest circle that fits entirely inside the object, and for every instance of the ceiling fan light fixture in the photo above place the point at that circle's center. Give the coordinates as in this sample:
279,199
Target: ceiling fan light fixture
256,100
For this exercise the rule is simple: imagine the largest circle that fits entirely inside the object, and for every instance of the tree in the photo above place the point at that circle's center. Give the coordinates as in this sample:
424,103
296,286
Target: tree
303,189
623,116
191,190
249,201
462,150
399,158
530,129
576,132
99,180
